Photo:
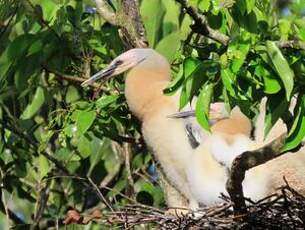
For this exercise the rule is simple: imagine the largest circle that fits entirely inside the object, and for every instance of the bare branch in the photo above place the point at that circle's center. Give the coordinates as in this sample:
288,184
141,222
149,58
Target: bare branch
74,79
41,204
131,21
106,11
291,44
128,18
201,26
128,156
246,161
101,196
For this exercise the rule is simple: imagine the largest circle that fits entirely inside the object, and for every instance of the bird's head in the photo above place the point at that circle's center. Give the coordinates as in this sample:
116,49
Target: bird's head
139,57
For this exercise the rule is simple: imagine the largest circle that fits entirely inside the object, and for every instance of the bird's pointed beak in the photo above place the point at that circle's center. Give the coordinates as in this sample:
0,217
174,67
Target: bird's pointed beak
105,74
119,65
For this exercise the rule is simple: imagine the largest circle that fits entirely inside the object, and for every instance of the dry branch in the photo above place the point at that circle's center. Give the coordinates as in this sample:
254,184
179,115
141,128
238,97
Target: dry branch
282,210
246,161
128,18
106,11
200,25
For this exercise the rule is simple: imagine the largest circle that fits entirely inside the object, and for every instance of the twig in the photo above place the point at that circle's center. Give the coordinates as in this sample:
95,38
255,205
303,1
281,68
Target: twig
100,194
41,204
127,154
290,44
74,78
246,161
201,26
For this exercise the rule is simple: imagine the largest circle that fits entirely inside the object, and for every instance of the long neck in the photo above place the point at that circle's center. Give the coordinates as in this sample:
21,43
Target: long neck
143,88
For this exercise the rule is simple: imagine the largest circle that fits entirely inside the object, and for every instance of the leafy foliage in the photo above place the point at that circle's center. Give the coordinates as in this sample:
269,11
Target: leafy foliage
56,137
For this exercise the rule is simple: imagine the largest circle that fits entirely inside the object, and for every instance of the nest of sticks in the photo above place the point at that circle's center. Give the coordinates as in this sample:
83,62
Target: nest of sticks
282,210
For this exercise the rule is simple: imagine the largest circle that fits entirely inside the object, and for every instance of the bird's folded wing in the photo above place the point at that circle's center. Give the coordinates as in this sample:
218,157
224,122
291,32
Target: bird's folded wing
194,131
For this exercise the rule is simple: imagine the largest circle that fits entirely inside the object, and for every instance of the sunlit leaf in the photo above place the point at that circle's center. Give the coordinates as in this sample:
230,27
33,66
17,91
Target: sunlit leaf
282,67
169,45
84,120
228,80
276,106
84,147
72,94
152,12
297,132
203,104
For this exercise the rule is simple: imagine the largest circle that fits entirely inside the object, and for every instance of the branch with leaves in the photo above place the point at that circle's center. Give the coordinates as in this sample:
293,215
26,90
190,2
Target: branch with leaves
200,24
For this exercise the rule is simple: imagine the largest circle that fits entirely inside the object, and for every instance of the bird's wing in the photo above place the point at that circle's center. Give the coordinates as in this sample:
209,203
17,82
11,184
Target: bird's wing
194,131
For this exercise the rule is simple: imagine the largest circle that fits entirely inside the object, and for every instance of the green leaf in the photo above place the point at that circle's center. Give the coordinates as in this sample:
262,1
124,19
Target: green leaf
204,5
189,66
72,94
228,79
297,132
49,9
276,107
203,105
185,27
25,71
171,17
271,84
43,166
281,66
35,105
84,120
238,52
285,28
176,83
215,20
169,45
250,4
104,101
183,98
83,147
242,6
19,46
152,12
197,78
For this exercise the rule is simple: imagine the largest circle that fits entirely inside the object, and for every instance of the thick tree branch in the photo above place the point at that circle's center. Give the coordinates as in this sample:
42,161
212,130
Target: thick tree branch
106,11
128,19
246,161
132,26
201,26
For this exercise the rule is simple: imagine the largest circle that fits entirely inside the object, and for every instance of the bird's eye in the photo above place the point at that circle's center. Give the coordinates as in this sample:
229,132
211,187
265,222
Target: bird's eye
118,62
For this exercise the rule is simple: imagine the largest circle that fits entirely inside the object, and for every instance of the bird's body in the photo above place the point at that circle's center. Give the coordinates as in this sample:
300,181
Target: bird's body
210,163
167,138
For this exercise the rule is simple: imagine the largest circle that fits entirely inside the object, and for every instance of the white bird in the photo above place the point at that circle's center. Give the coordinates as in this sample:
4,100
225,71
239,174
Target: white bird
148,76
212,160
210,164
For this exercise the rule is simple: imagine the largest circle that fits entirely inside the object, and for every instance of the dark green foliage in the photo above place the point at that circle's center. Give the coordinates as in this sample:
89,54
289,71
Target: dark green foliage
56,134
